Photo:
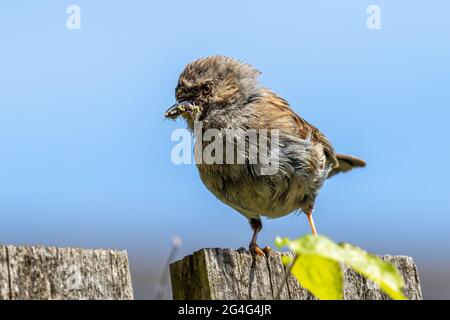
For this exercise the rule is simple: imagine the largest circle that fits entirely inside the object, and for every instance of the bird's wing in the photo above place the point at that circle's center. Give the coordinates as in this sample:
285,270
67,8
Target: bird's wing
279,115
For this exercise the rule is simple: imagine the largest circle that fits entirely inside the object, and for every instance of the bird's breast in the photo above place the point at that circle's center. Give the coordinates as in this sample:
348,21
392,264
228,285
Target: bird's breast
294,185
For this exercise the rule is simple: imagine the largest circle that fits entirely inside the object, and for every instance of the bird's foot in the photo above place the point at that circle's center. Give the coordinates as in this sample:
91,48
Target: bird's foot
255,249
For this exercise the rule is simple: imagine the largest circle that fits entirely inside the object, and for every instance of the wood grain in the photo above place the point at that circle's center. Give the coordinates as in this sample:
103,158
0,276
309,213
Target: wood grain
225,274
50,273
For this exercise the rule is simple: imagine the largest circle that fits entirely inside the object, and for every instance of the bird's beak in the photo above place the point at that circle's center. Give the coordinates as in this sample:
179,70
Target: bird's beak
179,108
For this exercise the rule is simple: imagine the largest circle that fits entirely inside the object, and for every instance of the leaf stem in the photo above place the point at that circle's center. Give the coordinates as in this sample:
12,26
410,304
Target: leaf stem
284,283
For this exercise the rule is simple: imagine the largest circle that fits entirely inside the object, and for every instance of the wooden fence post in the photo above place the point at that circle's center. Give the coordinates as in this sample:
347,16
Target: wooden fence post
63,273
233,275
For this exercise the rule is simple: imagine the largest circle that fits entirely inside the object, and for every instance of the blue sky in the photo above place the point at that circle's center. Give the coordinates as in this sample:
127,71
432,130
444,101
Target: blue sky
85,151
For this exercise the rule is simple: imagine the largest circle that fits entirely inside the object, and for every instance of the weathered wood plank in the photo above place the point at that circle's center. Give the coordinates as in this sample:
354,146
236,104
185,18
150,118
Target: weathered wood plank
63,273
4,277
233,275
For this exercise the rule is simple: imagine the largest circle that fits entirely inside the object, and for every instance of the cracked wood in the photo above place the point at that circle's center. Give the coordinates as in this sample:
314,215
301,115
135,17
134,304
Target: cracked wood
235,275
34,272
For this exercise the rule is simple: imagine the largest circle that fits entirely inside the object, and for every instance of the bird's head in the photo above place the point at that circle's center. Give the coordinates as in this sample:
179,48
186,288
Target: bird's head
210,84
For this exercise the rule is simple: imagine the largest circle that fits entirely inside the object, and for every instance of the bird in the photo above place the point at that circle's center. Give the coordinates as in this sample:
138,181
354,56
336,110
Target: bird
222,93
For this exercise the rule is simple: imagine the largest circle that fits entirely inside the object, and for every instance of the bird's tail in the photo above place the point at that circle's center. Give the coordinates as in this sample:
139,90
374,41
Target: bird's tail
346,163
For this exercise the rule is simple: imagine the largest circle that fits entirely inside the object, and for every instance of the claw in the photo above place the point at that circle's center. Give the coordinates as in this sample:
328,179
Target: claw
260,252
267,250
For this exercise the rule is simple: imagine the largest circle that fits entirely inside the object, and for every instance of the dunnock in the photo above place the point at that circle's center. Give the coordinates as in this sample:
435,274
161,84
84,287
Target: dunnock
223,93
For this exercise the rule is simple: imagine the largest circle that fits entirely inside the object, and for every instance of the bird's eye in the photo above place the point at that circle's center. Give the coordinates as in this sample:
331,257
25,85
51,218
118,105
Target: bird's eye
206,88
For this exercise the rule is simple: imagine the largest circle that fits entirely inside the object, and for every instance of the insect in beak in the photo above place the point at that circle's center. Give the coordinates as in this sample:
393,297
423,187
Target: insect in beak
180,108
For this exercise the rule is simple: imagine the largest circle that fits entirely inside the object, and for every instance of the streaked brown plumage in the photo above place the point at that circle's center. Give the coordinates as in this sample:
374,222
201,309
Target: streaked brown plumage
224,93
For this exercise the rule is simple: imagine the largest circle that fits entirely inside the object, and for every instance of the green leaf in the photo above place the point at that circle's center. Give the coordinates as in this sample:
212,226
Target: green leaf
286,260
321,276
382,273
315,245
385,275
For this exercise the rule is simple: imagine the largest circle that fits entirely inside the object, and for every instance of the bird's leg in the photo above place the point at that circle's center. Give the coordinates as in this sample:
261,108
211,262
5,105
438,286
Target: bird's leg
311,222
314,232
256,225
